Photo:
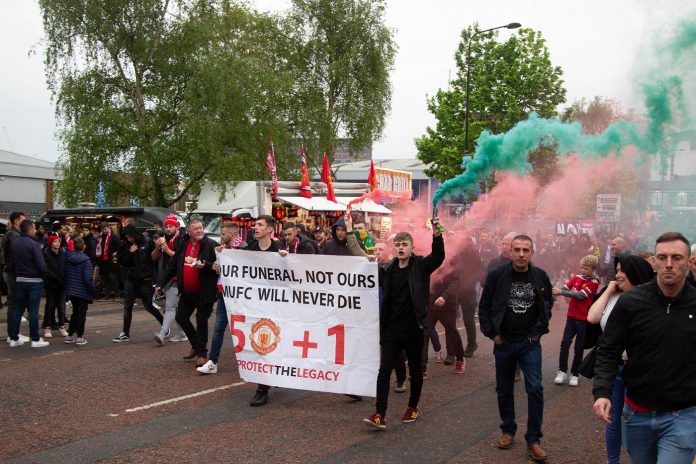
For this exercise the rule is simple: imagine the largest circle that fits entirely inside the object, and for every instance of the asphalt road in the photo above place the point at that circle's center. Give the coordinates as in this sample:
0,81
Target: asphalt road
137,402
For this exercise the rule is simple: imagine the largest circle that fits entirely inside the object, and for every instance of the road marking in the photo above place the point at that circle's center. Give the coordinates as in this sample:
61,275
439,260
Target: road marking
181,398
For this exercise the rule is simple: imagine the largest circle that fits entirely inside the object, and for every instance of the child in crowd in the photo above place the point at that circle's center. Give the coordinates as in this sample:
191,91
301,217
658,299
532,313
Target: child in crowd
79,288
581,290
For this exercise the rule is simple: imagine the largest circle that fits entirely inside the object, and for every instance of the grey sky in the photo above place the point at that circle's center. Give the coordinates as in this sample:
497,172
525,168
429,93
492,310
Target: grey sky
597,43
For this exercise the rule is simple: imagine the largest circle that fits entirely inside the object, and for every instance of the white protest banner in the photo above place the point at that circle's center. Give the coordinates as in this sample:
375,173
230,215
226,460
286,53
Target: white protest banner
303,321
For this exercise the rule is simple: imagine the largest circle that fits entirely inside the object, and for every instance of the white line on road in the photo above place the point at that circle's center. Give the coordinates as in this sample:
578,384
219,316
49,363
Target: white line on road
181,398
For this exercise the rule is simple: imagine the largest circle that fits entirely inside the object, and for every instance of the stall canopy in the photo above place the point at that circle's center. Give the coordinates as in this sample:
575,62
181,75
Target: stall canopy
314,203
366,206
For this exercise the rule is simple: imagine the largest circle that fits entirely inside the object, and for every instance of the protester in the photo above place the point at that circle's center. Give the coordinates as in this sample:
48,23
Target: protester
470,267
581,290
344,242
196,282
654,323
263,230
54,311
80,289
320,238
229,239
405,283
106,252
442,307
163,252
90,242
294,243
629,271
514,312
136,258
30,271
8,271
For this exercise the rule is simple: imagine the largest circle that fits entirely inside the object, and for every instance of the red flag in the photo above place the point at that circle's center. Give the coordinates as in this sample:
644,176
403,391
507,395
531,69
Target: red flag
326,178
305,189
271,165
372,177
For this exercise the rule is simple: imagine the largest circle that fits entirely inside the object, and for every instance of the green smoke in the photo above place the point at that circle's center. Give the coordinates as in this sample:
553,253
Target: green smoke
664,103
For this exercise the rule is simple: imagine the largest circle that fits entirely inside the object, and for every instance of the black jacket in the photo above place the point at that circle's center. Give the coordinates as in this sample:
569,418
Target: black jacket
445,283
660,340
420,269
138,264
495,295
27,258
303,248
338,247
11,235
55,265
207,277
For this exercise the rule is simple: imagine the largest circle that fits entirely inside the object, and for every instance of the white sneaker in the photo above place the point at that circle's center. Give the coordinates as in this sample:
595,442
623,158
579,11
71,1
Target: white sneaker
47,333
16,343
40,343
560,378
22,338
24,319
574,380
179,338
63,332
208,368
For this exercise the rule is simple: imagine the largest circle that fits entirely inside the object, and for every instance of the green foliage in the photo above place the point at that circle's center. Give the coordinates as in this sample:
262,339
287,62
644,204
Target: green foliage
156,96
343,53
508,80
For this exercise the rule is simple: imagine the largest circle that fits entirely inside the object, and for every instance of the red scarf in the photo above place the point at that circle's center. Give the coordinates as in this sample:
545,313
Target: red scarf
297,243
105,254
173,239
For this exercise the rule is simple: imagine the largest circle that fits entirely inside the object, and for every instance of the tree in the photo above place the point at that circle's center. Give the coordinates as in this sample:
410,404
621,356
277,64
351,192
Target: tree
344,54
508,81
156,96
595,116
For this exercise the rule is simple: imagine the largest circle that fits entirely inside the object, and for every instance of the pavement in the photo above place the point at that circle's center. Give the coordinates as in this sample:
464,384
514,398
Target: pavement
138,402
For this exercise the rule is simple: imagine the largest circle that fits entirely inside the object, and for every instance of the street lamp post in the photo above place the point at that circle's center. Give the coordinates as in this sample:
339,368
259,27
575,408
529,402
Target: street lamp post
468,75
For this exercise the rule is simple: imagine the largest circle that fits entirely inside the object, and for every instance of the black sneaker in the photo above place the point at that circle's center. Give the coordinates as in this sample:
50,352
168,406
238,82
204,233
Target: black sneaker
122,337
449,360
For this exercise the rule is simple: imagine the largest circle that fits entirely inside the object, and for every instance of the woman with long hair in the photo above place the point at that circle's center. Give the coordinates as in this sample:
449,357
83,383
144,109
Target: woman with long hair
631,271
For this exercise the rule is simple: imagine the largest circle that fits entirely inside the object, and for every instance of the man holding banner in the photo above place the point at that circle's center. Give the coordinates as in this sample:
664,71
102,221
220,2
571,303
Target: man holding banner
301,321
405,282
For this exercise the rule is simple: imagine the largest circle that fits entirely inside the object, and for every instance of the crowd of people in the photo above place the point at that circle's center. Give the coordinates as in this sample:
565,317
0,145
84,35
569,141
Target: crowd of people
645,304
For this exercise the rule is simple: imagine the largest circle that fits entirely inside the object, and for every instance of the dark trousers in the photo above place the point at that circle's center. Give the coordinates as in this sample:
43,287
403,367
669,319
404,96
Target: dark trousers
108,276
467,301
577,329
143,290
448,319
400,368
78,318
54,312
392,345
198,336
11,281
527,354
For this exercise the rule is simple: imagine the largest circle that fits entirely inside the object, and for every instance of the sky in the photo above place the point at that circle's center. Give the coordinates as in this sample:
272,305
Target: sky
598,44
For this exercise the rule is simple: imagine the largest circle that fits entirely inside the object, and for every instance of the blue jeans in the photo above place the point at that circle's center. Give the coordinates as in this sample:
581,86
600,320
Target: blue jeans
219,330
527,354
28,297
612,431
660,438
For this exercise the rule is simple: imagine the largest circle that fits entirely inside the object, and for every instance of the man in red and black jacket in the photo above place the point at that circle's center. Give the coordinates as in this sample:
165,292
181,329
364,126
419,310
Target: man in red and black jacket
196,281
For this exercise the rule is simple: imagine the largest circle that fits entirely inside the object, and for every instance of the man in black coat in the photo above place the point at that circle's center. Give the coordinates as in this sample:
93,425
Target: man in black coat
405,283
135,257
196,281
295,243
514,312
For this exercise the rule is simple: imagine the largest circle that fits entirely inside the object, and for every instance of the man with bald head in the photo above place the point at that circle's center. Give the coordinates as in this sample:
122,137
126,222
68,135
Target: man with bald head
504,256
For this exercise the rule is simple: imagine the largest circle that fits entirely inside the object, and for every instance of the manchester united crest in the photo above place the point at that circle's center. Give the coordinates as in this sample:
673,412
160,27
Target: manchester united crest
264,336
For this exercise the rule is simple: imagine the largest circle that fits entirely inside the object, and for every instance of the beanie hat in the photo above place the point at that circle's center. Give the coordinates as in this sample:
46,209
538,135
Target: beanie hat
56,226
171,221
52,238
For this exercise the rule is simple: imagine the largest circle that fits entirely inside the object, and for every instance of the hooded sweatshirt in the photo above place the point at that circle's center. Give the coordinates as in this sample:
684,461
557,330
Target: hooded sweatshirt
349,246
137,263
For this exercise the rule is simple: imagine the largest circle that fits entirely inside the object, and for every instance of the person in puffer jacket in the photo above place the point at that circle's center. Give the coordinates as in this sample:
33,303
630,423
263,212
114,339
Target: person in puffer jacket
79,289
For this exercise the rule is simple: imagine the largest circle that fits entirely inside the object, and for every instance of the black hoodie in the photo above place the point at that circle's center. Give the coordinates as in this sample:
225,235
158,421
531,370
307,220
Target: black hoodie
138,263
338,247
